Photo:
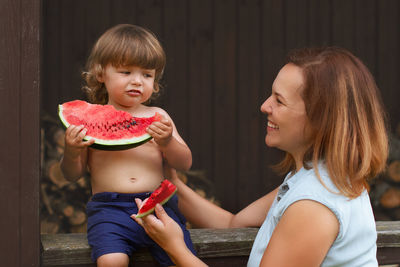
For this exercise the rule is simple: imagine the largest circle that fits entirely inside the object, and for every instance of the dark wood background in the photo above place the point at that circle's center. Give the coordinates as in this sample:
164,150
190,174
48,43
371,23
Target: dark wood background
20,132
222,57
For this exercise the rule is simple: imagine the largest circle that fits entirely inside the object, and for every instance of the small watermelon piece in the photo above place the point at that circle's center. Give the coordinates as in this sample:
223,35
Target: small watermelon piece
110,128
161,195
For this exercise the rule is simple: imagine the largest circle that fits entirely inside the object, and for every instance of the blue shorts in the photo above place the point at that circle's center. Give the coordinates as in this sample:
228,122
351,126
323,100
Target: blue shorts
111,229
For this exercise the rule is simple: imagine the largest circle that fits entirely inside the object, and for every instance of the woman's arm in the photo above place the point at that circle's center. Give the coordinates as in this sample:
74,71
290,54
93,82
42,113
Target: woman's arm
302,237
204,214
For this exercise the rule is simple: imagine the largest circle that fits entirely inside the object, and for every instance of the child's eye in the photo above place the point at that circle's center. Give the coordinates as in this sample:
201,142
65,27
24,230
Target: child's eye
124,71
148,75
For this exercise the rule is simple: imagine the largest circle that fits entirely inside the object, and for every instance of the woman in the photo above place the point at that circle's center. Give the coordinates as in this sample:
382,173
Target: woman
325,112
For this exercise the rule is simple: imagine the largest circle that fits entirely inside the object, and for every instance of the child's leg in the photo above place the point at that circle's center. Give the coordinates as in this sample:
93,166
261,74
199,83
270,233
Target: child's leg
113,260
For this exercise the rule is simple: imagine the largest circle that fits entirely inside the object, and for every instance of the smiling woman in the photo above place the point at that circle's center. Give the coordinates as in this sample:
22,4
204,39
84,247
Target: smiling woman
323,111
287,118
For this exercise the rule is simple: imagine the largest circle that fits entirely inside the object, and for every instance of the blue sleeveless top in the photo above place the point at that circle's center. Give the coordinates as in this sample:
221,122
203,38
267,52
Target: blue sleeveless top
355,244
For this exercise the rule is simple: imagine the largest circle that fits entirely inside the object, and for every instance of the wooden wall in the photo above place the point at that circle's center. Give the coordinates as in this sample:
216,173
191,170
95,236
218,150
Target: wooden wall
222,58
20,133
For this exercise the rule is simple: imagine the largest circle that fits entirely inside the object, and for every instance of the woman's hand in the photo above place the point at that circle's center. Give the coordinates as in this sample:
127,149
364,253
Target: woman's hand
164,230
168,234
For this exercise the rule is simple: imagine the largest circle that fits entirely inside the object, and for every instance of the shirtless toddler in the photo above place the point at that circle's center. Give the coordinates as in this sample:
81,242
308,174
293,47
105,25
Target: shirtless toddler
124,70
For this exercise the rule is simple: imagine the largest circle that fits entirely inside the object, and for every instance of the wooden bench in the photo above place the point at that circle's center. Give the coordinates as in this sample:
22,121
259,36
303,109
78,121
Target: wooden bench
217,247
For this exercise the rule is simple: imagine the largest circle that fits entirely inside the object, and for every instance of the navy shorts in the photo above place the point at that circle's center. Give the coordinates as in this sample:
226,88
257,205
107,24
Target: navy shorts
111,229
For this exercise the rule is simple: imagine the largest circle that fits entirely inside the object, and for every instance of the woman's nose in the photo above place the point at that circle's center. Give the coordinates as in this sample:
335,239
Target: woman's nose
266,106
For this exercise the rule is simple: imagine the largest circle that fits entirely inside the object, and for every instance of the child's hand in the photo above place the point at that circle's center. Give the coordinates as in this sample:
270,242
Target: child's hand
161,131
74,142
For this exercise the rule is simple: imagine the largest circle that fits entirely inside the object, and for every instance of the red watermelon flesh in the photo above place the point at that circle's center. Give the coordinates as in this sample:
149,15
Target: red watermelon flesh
161,195
112,129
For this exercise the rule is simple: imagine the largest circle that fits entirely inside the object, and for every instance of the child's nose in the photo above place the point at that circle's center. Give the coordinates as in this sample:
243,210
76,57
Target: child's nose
135,79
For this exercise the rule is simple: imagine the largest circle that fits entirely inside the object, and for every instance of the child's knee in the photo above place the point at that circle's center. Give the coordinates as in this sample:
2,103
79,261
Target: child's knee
113,260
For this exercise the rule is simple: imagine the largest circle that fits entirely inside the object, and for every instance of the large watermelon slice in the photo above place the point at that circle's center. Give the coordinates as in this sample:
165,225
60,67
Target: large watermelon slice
161,195
110,128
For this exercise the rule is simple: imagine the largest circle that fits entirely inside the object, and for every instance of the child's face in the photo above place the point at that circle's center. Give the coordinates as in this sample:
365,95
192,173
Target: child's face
287,119
127,86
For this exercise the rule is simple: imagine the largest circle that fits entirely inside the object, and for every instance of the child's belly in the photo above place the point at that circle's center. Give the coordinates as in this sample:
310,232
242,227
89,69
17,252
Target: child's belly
129,171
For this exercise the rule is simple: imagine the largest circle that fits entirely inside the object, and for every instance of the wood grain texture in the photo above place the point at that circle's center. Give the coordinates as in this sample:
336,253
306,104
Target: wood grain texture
212,245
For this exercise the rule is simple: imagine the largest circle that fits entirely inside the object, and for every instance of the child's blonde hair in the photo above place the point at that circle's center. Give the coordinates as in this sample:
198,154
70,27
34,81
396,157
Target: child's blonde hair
346,116
122,45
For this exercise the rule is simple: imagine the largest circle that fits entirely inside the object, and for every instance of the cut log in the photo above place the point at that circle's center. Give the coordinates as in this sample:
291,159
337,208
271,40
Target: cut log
54,173
394,171
391,198
78,218
50,225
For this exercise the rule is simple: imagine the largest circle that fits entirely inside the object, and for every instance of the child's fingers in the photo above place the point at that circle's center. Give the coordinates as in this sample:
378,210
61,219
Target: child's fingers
74,131
89,142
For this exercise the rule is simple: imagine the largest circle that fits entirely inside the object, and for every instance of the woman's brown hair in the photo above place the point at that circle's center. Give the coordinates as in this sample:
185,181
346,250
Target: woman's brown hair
122,45
346,116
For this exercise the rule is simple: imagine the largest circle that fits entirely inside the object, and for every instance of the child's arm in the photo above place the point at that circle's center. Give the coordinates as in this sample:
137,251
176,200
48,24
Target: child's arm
73,163
174,149
204,214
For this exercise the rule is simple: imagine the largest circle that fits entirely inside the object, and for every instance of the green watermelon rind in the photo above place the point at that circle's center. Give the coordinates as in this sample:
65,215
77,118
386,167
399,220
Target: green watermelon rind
101,144
140,215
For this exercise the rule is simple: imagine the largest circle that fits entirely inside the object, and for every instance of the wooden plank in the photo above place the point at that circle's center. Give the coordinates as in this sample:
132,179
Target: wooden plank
214,246
200,84
225,101
174,95
19,160
122,12
388,56
296,27
97,19
73,249
250,140
365,20
273,54
343,30
29,146
319,22
51,66
72,53
149,14
9,155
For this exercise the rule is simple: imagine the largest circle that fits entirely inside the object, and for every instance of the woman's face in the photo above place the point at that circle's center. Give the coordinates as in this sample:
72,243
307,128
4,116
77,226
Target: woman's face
287,119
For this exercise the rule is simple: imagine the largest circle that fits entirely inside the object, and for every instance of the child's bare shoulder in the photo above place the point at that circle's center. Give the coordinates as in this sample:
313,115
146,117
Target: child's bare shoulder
152,110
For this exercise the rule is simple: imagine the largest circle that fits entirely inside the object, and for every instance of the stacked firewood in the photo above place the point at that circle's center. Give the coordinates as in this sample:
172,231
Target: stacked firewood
385,191
62,203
